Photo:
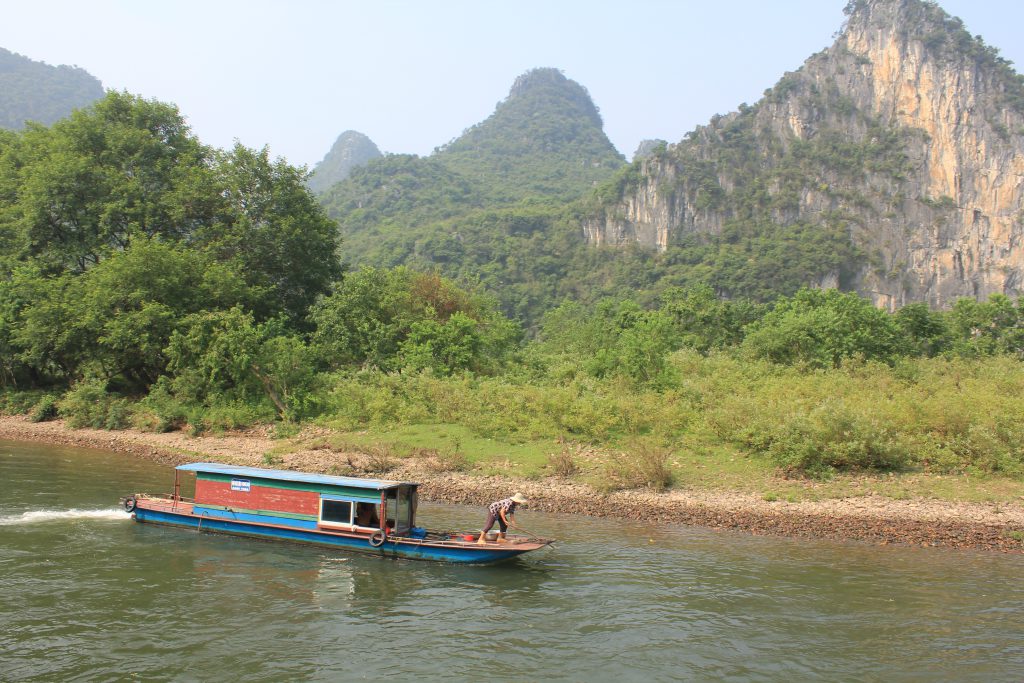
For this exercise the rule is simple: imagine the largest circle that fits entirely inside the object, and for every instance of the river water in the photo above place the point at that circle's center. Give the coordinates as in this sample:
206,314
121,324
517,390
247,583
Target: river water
88,595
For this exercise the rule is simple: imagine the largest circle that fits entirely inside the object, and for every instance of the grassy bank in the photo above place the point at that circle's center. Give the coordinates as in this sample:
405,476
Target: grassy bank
925,428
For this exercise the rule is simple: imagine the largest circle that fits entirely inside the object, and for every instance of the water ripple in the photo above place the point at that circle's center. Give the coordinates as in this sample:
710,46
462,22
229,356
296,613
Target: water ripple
42,516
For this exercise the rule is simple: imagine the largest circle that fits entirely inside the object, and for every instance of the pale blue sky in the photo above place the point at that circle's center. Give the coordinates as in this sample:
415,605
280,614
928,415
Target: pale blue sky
414,74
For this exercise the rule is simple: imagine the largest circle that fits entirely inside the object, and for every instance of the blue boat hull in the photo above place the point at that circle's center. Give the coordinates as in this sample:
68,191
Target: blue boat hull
396,548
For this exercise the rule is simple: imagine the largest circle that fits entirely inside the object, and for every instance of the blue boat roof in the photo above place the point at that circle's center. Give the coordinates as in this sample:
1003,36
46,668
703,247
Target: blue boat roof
288,475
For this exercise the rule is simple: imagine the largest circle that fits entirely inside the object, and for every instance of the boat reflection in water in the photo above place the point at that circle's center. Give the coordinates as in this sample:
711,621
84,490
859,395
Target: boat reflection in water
370,516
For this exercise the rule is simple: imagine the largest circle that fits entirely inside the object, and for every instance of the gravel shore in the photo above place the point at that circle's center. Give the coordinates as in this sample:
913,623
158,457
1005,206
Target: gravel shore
872,519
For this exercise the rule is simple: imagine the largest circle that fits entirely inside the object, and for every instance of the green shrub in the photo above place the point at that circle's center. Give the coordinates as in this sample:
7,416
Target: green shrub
84,405
652,464
19,402
87,404
118,415
45,409
645,464
833,437
563,463
231,415
160,411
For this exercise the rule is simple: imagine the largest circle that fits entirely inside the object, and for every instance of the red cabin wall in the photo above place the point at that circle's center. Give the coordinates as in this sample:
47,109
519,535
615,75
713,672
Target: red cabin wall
258,498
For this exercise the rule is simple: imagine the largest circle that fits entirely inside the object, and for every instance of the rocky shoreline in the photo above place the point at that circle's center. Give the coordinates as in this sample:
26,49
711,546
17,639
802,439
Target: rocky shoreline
872,519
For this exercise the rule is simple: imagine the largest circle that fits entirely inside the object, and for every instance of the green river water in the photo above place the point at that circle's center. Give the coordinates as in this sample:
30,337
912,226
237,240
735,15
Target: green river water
88,595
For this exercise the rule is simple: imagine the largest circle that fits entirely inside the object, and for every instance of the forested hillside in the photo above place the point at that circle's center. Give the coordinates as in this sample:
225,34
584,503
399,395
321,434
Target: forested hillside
494,205
34,91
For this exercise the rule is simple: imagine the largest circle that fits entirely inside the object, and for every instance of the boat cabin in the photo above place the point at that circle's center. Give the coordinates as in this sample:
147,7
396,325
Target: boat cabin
299,499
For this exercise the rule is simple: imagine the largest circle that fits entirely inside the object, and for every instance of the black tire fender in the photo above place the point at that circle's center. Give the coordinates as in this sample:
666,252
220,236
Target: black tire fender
377,539
130,503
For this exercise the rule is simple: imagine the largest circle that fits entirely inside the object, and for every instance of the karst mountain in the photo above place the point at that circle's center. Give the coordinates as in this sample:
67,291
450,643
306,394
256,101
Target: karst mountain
899,149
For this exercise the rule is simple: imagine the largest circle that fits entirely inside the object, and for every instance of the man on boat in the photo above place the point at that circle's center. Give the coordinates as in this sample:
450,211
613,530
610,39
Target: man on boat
503,512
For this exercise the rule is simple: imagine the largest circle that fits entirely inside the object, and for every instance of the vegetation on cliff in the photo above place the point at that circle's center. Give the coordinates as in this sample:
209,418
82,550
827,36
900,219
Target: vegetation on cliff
855,149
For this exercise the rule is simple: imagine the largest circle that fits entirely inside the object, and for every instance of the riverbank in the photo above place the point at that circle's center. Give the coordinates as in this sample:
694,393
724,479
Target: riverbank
869,518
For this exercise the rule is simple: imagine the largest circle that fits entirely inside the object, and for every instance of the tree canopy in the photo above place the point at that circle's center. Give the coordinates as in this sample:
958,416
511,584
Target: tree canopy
118,224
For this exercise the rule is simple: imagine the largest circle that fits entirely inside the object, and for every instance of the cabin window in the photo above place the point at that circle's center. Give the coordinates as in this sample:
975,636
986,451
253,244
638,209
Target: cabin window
367,515
400,508
337,511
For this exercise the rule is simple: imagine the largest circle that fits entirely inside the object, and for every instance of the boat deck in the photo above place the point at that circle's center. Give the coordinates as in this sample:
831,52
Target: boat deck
185,506
163,503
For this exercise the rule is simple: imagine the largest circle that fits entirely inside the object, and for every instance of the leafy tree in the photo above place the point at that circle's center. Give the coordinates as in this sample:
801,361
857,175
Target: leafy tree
390,318
224,355
275,230
444,347
987,327
84,188
115,319
927,331
704,321
117,222
820,328
612,338
643,348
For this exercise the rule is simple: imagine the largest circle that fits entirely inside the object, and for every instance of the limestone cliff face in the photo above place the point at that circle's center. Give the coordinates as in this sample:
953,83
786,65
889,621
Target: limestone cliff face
907,132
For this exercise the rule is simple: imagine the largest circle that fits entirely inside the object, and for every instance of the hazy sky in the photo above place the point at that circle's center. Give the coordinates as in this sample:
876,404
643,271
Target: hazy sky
414,74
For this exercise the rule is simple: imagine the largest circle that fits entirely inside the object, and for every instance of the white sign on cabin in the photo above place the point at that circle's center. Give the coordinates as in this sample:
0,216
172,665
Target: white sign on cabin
240,485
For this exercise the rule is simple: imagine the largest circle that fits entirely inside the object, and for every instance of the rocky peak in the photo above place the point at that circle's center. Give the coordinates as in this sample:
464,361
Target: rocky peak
648,148
351,150
551,83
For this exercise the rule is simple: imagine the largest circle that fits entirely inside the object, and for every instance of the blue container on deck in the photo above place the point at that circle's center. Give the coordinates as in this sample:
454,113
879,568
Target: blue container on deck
417,532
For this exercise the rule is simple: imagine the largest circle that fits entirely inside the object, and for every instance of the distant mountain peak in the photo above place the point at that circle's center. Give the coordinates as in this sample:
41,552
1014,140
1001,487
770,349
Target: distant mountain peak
36,91
537,77
351,150
545,138
547,82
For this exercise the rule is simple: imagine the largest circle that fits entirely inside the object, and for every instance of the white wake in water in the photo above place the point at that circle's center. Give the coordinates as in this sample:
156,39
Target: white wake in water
36,516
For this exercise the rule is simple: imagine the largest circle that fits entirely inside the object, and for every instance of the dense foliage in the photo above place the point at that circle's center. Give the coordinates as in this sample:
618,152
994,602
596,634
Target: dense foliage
139,263
400,319
118,225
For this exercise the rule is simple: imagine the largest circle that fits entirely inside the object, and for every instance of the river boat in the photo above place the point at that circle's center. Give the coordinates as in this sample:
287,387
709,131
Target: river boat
325,510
